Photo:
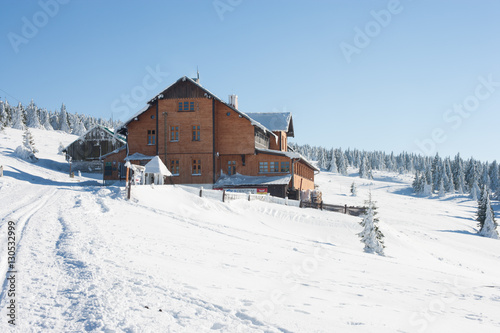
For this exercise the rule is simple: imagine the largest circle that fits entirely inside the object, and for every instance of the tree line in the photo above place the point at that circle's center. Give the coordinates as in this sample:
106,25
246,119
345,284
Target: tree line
31,116
432,174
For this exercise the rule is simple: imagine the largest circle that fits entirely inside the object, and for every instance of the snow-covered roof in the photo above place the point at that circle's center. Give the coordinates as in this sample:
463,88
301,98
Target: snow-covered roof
208,94
113,152
242,180
289,154
156,166
275,121
138,157
117,136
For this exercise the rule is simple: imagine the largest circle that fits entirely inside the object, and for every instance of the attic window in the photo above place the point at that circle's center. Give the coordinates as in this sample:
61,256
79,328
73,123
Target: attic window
186,106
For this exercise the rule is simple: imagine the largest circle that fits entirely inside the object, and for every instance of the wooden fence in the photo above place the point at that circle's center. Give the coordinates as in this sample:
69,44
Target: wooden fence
350,210
226,196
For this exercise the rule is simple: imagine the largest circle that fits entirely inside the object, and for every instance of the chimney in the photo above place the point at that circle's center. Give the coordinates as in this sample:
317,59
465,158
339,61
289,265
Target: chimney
233,101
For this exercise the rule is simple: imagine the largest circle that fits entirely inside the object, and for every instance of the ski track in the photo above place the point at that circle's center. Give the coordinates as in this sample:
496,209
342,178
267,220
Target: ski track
22,215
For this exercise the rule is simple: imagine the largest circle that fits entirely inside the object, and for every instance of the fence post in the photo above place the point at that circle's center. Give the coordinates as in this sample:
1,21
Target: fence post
201,191
286,201
223,195
345,209
248,196
1,170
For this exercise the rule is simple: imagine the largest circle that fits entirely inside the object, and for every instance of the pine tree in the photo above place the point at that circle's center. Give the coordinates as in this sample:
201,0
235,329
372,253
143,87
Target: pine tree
63,120
449,186
333,163
485,216
418,183
341,162
32,116
19,117
354,191
364,169
29,142
475,191
371,236
494,177
441,190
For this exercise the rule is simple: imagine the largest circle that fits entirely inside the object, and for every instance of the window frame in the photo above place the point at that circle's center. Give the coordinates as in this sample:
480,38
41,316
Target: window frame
174,133
264,167
196,166
196,136
175,167
285,166
151,137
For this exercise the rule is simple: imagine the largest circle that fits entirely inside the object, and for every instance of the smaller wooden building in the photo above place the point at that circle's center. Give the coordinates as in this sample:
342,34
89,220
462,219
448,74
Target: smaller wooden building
86,152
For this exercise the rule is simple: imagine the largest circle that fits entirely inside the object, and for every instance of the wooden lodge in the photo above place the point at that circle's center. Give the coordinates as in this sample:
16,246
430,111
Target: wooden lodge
203,140
85,152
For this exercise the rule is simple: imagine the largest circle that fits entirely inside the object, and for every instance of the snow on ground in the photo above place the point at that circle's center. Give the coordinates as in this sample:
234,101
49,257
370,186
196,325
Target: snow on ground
89,260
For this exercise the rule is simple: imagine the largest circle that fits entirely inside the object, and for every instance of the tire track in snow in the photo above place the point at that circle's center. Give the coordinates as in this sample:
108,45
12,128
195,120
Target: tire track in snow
21,215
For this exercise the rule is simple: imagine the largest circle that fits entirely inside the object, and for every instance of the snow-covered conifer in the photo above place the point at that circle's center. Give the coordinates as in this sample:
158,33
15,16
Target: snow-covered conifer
485,216
63,120
32,116
19,117
364,169
371,236
29,141
494,177
45,119
354,191
475,191
441,190
333,163
341,162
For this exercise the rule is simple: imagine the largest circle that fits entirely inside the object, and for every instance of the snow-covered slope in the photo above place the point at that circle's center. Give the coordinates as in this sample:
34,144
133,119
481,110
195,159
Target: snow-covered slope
169,261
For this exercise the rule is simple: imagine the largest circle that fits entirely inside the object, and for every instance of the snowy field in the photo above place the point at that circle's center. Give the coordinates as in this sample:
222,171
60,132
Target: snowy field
169,261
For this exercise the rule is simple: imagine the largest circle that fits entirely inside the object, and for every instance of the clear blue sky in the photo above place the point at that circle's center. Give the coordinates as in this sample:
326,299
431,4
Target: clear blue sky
404,75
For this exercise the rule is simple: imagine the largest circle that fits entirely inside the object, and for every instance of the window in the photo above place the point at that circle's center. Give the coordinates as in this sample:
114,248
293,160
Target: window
285,166
196,133
151,137
263,167
174,167
186,106
274,167
231,168
174,133
196,167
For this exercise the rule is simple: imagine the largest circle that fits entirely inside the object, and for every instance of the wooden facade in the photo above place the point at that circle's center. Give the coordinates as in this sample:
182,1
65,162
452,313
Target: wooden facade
85,152
199,137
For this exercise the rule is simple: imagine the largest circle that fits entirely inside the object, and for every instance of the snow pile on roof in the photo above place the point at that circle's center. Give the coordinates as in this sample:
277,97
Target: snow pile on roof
242,180
157,166
275,121
138,157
